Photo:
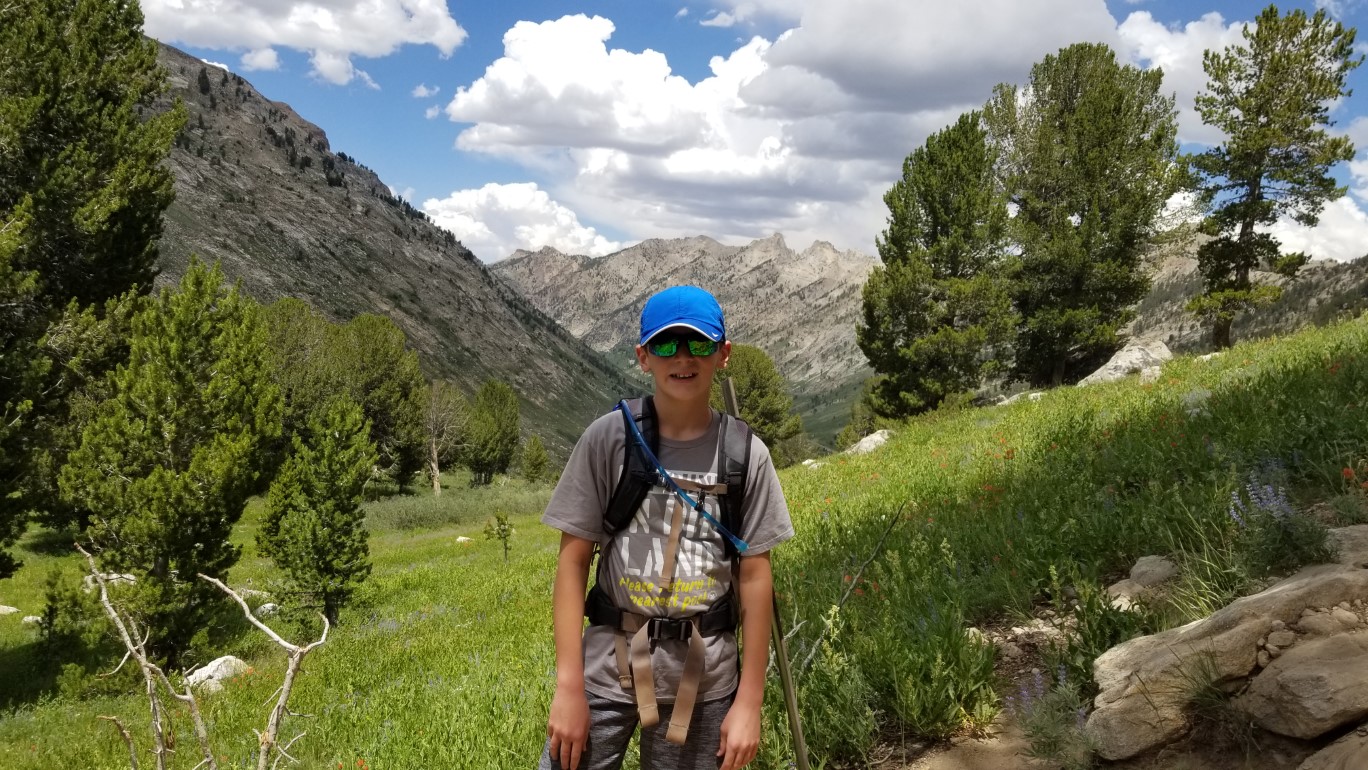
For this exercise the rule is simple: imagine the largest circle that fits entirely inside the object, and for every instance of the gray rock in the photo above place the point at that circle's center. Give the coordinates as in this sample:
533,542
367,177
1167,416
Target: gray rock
267,610
1150,374
1136,356
215,672
6,610
1209,356
869,443
31,620
1319,624
1153,570
1146,683
1282,639
1018,397
252,593
1123,594
1316,687
1347,753
1345,618
1351,545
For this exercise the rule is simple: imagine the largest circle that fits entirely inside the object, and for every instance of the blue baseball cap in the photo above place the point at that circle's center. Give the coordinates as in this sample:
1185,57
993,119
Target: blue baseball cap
687,306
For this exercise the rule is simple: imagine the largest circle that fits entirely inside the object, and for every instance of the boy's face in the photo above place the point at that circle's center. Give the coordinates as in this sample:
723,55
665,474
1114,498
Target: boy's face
682,376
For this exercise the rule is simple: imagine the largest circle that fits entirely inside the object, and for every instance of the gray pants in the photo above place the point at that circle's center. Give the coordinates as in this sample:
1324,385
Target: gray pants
611,725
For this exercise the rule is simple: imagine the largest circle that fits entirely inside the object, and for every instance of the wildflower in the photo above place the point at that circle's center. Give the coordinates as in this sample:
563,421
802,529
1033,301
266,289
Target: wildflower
1009,454
859,592
1348,474
847,578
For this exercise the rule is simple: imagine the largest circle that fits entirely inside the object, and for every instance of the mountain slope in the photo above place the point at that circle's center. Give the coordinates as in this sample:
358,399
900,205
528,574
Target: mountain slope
259,189
799,307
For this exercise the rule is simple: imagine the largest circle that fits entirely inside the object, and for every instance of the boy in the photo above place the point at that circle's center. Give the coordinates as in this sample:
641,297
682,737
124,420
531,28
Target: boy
662,613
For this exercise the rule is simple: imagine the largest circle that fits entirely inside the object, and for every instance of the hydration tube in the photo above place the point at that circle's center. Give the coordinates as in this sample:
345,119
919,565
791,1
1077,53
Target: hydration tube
669,483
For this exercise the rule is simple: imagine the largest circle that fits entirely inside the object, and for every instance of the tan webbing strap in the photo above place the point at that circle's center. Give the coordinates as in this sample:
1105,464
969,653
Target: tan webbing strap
642,674
624,665
689,683
694,486
676,514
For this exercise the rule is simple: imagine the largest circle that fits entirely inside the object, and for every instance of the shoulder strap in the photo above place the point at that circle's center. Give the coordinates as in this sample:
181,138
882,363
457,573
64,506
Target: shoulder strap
733,466
637,475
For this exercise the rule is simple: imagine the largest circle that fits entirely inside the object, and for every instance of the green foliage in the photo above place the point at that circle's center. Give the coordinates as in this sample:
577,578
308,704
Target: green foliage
841,721
534,459
937,313
167,463
763,395
82,189
499,529
492,435
366,360
314,526
1099,626
1053,721
864,419
1088,156
1271,98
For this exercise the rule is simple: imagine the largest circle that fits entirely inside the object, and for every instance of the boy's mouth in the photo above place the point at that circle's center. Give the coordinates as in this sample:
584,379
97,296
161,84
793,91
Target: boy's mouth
684,376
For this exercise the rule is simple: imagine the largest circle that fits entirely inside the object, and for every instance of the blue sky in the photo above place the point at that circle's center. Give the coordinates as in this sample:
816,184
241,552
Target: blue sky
590,125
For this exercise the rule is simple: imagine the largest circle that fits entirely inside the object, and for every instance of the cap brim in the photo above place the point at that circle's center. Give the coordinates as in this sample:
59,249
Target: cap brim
715,337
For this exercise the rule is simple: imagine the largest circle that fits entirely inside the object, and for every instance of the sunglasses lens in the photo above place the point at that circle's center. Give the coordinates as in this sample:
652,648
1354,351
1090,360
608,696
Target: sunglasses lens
702,348
663,348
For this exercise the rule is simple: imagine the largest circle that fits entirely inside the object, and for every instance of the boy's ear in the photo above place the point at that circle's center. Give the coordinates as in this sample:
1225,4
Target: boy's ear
642,359
726,353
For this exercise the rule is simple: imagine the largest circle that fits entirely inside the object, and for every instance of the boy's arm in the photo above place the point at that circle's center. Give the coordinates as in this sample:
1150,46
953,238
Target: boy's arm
568,725
741,728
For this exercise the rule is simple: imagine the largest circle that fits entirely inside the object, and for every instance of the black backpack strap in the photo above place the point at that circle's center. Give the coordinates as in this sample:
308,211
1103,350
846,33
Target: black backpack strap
733,467
638,473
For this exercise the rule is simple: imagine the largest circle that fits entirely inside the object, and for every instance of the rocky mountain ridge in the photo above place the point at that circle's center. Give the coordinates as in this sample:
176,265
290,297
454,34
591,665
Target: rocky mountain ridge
260,189
800,307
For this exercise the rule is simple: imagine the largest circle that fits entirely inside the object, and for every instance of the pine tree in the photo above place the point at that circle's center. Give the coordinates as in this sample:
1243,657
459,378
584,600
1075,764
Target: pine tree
382,374
492,434
765,402
1271,97
937,312
314,526
82,189
167,463
1088,156
534,459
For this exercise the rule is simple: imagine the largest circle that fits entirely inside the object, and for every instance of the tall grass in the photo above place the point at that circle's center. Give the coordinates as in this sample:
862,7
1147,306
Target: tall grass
446,659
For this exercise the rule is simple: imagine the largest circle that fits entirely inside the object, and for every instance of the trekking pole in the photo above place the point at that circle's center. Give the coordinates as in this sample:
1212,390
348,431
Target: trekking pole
776,629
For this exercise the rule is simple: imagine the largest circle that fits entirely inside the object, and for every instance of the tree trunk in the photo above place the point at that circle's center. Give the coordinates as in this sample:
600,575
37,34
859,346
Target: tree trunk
1220,333
434,469
1057,376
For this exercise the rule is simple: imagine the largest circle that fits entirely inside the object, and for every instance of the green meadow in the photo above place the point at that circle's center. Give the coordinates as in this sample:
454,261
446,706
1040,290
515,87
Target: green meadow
970,517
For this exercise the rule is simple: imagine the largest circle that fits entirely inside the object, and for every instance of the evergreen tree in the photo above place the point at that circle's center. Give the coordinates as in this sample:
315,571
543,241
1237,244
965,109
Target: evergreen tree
82,188
534,459
314,526
1271,97
167,463
492,434
1087,154
382,375
937,312
445,417
765,402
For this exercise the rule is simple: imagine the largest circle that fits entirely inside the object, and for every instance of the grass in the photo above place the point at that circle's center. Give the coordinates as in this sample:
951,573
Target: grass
446,658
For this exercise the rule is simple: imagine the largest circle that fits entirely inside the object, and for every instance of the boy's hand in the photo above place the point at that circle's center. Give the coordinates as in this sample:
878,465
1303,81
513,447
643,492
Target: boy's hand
568,727
740,735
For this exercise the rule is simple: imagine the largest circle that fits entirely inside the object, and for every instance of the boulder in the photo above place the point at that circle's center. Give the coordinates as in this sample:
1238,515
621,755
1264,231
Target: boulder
1145,684
267,610
5,610
211,677
1351,545
31,620
869,443
252,593
1347,753
1150,571
1028,396
1316,687
1124,594
1136,356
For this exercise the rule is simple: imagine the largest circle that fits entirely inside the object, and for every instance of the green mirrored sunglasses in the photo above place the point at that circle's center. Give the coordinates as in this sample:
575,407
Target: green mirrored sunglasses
666,347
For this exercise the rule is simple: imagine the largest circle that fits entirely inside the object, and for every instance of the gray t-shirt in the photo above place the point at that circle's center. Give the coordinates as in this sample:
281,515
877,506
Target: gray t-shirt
632,561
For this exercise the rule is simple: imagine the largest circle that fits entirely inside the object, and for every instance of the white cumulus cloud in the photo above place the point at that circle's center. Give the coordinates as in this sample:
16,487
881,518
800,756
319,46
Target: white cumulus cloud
498,219
1341,234
330,31
423,91
261,59
432,112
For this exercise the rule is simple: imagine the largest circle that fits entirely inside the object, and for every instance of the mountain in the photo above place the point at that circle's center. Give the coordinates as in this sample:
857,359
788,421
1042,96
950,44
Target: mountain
1322,292
259,189
799,307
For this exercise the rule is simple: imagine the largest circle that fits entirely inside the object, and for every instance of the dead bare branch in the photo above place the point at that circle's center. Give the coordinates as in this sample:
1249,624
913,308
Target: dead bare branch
128,739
